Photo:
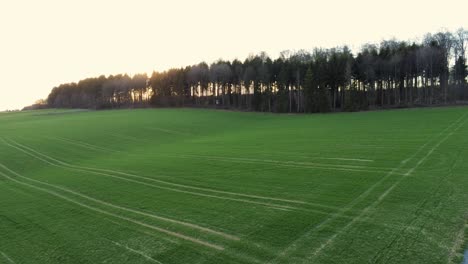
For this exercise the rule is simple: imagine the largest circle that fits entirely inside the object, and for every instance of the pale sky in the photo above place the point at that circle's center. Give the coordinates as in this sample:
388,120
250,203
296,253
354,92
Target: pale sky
48,42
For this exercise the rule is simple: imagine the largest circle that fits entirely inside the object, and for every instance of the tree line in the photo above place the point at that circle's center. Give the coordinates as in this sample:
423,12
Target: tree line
393,73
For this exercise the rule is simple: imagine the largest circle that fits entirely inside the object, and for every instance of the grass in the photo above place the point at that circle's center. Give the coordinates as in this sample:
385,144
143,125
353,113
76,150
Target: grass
201,186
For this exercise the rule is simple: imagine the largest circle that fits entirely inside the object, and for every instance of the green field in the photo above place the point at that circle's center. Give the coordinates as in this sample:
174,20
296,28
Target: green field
201,186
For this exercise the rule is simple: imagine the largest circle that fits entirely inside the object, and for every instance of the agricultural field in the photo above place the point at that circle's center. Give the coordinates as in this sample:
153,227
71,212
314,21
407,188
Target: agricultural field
204,186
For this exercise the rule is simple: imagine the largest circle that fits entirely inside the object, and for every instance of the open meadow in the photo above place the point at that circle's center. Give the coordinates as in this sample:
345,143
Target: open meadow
204,186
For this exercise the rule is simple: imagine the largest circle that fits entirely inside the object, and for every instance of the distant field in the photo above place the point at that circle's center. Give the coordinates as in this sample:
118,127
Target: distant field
201,186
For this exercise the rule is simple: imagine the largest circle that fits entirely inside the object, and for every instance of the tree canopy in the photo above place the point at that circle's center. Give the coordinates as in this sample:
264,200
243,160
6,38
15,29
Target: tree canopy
393,73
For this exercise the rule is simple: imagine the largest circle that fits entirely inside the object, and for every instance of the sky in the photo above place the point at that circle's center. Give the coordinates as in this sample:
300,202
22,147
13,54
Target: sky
49,42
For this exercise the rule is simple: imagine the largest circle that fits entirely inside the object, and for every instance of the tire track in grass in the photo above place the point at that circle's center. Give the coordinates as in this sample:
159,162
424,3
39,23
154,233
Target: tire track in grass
201,188
305,155
169,131
297,242
226,251
190,186
399,236
347,159
262,247
383,195
418,232
229,252
214,190
295,164
186,224
194,187
140,253
275,206
167,239
82,144
78,168
7,258
65,165
79,144
127,219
